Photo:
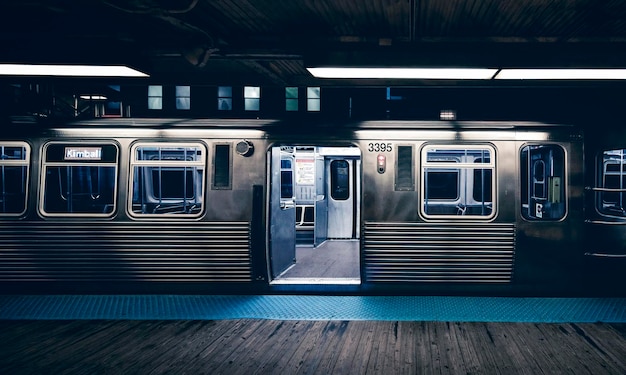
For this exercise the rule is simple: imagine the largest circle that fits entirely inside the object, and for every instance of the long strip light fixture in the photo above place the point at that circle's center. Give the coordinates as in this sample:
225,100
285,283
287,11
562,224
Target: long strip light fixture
404,73
539,74
59,70
468,73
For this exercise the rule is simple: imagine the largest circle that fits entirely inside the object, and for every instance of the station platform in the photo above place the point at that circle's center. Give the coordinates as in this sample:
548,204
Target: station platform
313,307
310,334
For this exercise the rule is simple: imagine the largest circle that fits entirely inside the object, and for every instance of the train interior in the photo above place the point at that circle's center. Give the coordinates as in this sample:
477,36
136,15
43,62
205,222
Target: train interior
314,215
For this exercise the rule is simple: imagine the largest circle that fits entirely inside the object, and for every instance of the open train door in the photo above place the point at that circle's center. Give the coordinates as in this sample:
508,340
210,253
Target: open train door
320,231
313,215
282,211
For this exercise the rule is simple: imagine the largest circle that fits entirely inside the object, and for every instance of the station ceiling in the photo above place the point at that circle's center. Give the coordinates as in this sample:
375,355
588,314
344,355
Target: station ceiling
271,42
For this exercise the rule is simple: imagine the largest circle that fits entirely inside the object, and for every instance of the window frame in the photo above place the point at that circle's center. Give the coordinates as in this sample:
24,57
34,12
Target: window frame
183,97
464,170
152,97
43,176
24,163
133,162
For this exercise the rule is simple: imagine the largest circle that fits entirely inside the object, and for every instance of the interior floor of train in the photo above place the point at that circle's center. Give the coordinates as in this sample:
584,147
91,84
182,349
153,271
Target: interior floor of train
289,334
332,262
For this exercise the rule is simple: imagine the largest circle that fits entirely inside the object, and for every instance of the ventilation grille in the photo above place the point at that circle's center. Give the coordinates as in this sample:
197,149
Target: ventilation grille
439,252
198,252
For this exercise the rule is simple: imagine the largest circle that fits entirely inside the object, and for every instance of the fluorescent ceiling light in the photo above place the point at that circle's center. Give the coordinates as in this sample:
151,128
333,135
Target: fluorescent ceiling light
93,97
69,70
561,74
404,73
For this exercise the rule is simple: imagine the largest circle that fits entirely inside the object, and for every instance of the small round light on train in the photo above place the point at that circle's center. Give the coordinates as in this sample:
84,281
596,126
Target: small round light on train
381,163
244,148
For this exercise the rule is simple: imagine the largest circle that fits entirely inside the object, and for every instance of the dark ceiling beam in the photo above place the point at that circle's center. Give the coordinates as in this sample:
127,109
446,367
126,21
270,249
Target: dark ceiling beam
497,55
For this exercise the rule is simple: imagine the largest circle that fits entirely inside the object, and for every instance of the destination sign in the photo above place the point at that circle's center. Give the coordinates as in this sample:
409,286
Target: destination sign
83,153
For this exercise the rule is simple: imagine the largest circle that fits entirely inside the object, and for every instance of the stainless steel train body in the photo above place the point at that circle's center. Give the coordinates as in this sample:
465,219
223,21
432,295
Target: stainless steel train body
253,206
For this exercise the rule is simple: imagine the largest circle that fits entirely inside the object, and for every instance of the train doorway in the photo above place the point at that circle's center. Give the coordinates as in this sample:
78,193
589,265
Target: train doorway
314,215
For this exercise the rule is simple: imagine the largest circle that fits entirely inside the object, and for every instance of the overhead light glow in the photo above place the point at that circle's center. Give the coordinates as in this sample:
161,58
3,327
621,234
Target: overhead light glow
93,97
69,70
403,73
561,74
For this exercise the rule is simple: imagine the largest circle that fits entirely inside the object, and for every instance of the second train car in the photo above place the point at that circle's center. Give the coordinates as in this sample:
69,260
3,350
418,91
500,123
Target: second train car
255,206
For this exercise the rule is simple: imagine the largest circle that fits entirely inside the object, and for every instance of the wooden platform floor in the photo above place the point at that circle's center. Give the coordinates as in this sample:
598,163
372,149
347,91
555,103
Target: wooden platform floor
309,347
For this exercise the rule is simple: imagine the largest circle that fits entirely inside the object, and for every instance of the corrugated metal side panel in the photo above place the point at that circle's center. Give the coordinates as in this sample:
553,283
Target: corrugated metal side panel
198,252
438,252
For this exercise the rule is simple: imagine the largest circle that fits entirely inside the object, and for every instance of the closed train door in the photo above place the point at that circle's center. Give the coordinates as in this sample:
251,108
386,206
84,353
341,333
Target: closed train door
605,228
314,215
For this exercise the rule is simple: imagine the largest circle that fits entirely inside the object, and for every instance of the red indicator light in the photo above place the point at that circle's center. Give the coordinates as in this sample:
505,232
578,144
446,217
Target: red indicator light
381,163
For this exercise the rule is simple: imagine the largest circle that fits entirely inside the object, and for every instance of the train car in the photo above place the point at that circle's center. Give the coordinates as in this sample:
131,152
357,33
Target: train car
261,206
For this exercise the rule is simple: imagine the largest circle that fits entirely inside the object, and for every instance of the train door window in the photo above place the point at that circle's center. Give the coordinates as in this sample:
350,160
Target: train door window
543,182
167,179
611,197
221,167
14,164
458,181
286,178
404,169
339,180
79,179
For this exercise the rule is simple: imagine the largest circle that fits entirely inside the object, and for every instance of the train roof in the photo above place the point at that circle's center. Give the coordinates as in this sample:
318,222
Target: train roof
168,123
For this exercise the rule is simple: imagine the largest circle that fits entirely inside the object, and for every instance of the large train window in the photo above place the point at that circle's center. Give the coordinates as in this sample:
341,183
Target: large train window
14,163
543,182
457,181
167,179
611,197
79,179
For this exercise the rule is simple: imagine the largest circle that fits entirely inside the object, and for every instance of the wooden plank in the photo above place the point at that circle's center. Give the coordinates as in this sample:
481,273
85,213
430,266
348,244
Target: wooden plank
248,346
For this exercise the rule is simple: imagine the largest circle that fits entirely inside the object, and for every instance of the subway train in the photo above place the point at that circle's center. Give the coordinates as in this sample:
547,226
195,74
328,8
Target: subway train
125,205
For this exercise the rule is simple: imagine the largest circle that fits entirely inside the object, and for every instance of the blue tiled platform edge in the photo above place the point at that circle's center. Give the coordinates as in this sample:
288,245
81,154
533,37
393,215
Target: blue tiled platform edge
307,307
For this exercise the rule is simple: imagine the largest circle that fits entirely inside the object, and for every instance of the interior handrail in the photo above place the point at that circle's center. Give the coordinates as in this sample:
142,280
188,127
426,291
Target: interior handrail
610,190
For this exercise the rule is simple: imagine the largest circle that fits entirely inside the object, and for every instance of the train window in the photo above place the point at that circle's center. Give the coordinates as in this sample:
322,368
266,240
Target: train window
543,182
221,167
457,181
167,179
611,199
404,169
339,180
79,179
14,162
